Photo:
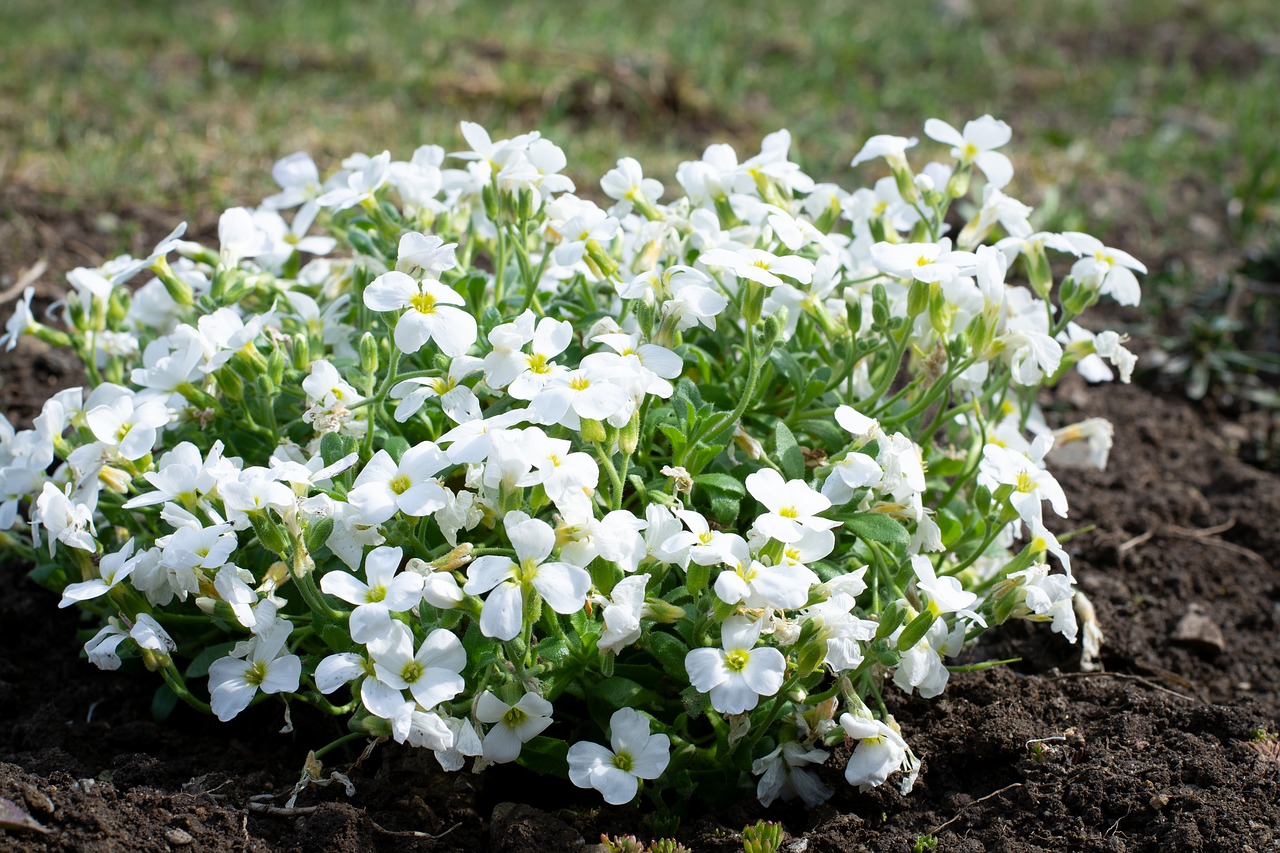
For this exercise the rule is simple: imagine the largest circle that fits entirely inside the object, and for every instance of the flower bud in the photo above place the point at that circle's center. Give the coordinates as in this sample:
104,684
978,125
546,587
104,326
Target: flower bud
230,384
179,291
370,725
662,611
270,534
275,367
263,388
752,302
916,630
592,430
629,435
917,298
300,352
958,185
368,354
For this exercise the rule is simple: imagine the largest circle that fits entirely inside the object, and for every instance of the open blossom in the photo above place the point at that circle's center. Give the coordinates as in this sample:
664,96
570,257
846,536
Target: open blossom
385,487
128,424
431,674
977,145
112,569
262,664
429,313
561,585
382,593
616,773
760,266
739,673
512,725
793,506
1032,484
880,751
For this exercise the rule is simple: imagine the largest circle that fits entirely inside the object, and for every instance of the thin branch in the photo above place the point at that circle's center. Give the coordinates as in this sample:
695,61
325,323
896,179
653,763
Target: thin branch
960,813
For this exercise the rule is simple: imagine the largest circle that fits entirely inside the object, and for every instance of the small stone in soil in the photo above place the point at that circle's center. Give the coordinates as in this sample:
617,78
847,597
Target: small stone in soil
1198,631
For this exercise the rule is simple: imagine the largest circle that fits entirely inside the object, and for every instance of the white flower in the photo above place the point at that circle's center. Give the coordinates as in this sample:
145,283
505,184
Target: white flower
562,586
627,185
784,775
362,183
455,398
760,266
879,753
927,262
616,773
431,675
429,313
892,148
1109,270
513,725
128,425
385,486
299,180
622,611
1031,483
384,593
67,521
977,145
233,681
112,569
946,595
737,675
1049,598
21,322
793,506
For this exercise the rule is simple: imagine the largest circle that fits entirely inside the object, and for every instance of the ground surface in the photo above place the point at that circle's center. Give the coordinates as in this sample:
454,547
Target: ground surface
1159,752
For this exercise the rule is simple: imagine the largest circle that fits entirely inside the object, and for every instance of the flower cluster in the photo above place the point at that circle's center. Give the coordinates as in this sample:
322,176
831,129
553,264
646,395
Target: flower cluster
655,493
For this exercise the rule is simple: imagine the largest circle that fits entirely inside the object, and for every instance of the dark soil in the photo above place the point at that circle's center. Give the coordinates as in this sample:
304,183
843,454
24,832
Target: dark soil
1157,752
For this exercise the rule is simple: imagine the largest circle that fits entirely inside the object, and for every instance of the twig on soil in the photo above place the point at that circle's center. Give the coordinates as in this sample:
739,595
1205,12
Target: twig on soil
409,833
958,814
296,811
1148,682
281,811
28,277
1203,534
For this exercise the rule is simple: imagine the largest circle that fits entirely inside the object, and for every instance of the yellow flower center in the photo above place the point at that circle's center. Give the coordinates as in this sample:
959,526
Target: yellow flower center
400,484
736,660
423,303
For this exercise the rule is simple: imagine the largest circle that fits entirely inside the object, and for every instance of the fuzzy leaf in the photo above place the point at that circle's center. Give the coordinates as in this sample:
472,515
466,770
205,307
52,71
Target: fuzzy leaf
878,528
787,452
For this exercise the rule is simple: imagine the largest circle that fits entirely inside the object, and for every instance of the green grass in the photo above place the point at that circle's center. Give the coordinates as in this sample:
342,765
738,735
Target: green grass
1151,121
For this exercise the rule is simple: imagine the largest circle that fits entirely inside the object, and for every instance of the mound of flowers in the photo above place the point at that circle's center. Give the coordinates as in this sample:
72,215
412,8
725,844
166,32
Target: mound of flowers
658,495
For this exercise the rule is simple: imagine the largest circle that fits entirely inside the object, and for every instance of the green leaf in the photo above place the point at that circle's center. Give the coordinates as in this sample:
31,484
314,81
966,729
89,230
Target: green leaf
545,755
787,452
724,509
334,447
319,534
163,703
722,483
702,456
670,652
875,527
827,433
199,666
396,446
676,437
619,692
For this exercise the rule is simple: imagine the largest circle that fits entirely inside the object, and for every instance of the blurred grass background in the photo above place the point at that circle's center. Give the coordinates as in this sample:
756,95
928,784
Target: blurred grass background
1153,124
